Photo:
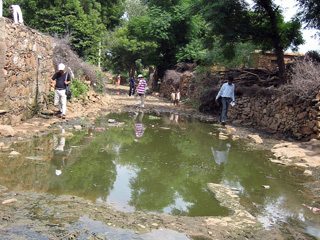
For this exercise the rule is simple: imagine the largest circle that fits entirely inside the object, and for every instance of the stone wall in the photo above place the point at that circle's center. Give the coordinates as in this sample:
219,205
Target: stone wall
299,120
2,62
26,71
268,60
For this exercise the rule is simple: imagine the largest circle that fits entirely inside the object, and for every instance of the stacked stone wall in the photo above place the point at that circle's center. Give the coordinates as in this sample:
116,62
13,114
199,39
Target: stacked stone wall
27,69
299,120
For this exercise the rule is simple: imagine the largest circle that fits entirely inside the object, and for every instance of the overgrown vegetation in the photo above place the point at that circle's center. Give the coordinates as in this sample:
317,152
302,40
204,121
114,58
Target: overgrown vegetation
81,70
305,79
79,88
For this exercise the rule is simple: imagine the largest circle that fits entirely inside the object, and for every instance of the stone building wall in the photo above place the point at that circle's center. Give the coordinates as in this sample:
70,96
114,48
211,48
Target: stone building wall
302,121
26,71
269,60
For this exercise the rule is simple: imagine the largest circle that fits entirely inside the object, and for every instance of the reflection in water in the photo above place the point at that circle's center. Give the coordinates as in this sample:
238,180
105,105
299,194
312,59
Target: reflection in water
58,145
60,155
167,173
139,126
174,118
107,232
221,152
120,195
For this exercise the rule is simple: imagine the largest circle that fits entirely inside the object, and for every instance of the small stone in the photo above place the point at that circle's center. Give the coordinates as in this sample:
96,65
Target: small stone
67,134
111,121
77,127
143,227
9,201
255,138
14,153
6,131
266,186
307,172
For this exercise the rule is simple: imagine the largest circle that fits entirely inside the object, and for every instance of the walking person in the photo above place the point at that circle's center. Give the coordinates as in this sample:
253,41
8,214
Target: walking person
178,95
132,85
141,90
173,97
62,79
227,96
119,80
17,14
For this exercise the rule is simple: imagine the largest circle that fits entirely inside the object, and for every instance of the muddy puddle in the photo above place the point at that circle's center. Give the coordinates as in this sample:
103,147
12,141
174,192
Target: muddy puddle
158,165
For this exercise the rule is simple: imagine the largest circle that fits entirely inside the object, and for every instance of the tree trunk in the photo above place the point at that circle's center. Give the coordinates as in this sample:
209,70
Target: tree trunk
281,64
132,70
276,38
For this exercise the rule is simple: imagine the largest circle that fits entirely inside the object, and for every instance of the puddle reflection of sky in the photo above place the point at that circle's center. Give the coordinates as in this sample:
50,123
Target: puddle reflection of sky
122,234
120,196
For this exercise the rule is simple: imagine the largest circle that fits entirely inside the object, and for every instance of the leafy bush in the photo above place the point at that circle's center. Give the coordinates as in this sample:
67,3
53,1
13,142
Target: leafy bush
51,98
79,89
305,81
99,85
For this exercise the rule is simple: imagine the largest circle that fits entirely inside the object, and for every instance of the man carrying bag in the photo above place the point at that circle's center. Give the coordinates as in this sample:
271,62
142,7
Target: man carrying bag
62,79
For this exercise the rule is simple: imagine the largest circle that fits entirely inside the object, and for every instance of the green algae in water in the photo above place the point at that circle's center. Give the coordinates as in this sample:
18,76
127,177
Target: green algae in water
158,165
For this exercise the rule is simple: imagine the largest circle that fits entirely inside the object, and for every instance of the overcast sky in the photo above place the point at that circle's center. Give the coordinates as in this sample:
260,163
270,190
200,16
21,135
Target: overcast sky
289,10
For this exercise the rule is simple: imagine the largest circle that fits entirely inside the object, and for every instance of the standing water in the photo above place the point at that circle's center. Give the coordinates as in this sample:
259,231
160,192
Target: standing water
160,165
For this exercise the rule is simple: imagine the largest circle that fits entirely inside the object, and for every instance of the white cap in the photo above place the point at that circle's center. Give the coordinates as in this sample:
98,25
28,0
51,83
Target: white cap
61,67
140,75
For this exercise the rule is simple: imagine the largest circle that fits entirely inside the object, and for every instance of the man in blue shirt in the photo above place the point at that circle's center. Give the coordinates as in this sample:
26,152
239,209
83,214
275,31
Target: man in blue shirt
227,96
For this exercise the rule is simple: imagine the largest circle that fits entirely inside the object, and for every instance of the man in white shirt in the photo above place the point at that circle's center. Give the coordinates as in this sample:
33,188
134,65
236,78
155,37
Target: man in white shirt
227,96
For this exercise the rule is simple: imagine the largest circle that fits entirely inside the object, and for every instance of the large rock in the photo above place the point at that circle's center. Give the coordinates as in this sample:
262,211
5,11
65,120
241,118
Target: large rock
256,138
6,131
306,130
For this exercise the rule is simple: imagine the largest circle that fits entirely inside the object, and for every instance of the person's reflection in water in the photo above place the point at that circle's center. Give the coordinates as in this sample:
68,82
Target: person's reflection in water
176,118
59,145
139,127
59,158
221,152
171,118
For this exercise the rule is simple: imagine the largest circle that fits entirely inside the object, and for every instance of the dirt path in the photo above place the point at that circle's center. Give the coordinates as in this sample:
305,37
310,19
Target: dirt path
35,213
116,100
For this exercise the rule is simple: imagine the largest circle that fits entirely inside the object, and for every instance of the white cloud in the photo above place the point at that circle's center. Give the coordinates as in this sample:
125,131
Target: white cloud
290,8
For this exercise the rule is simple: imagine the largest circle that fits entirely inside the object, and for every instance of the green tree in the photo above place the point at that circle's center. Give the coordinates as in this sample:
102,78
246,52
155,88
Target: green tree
173,26
264,25
310,12
124,48
159,33
86,21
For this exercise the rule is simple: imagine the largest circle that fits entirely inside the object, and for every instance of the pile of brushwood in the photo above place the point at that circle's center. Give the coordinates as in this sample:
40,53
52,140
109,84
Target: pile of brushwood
303,83
248,82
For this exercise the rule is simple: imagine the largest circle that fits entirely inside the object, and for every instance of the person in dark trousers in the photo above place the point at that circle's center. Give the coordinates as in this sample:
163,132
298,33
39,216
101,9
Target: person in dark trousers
61,80
227,96
132,85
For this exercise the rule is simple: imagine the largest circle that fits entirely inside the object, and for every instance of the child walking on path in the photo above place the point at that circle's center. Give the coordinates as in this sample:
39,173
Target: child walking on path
173,97
141,90
178,97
